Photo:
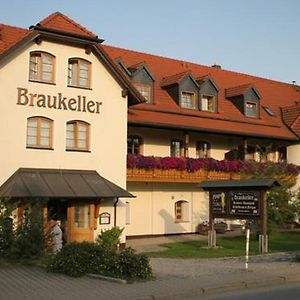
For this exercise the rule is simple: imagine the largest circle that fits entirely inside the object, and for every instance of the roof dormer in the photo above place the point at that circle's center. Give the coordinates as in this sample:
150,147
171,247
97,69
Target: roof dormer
183,88
208,94
246,98
143,79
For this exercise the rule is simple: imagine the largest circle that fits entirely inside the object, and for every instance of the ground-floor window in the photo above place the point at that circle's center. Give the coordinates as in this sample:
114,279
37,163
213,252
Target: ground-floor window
81,216
181,211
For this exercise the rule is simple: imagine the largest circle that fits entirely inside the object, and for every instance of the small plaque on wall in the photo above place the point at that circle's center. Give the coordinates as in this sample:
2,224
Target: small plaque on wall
104,218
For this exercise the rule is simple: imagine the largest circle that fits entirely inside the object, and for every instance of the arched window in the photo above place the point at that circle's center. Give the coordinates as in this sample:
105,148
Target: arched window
202,149
79,73
77,137
181,211
41,67
134,145
39,132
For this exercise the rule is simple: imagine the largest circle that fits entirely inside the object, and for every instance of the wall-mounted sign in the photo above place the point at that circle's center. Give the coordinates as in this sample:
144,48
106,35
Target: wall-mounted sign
244,203
104,218
78,103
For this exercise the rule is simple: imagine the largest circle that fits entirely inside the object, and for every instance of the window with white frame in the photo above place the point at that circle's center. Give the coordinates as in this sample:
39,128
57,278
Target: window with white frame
251,109
145,89
208,103
41,67
187,100
182,211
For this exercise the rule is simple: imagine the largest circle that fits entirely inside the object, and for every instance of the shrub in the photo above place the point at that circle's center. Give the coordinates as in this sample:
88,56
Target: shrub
110,238
6,235
77,259
134,266
29,240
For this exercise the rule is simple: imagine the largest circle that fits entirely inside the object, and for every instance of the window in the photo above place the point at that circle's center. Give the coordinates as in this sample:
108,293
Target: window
39,133
79,73
134,145
208,103
250,153
202,149
187,100
81,216
176,148
77,137
145,90
282,154
41,67
181,211
127,217
251,109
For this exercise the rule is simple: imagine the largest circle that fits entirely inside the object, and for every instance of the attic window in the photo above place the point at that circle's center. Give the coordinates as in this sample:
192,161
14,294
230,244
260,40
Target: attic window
145,90
208,103
269,111
251,109
187,100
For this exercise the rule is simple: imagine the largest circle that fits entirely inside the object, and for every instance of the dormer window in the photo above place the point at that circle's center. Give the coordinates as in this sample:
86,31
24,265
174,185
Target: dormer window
145,90
208,103
187,100
251,109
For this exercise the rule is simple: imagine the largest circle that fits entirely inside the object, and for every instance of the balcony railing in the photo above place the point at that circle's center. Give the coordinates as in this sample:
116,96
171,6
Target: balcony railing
178,176
189,170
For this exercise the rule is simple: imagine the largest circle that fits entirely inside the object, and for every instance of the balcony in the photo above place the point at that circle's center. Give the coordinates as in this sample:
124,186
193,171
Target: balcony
190,170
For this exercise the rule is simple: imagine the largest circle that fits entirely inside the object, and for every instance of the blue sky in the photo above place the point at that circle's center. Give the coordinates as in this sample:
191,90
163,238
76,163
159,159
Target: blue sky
258,37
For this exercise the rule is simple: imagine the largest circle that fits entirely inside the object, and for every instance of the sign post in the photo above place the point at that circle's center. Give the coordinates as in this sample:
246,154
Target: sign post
247,248
239,199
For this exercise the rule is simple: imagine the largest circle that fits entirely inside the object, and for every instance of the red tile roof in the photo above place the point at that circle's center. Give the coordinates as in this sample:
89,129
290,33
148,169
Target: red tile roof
10,35
61,22
165,111
291,117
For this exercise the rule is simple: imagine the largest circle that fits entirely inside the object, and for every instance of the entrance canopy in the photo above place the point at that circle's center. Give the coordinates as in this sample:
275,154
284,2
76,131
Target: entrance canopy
57,183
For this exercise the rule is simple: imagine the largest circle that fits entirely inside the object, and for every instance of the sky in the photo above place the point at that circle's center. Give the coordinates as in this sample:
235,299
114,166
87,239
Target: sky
257,37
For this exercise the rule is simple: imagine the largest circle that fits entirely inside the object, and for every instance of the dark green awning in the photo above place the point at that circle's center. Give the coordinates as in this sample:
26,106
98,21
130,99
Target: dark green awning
56,183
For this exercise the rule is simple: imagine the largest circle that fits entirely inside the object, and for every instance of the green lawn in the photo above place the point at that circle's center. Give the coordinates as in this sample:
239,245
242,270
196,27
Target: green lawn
230,247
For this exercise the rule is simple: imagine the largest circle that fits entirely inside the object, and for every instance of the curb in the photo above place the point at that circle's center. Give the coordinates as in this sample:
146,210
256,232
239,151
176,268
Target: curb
281,280
107,278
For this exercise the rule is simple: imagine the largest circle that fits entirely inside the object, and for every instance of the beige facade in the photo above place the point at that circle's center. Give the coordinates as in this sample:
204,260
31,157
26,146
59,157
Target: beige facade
108,128
152,212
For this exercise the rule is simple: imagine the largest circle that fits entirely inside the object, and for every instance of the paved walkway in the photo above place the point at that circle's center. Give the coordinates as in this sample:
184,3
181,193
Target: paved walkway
176,279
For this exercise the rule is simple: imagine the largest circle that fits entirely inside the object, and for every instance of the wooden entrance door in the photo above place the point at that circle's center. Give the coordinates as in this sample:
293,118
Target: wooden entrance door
81,222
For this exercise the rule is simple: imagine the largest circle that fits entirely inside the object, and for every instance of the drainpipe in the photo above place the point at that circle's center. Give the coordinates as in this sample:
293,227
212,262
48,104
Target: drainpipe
115,212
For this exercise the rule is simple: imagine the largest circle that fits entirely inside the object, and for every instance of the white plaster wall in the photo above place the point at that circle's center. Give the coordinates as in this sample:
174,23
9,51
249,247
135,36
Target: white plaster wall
153,209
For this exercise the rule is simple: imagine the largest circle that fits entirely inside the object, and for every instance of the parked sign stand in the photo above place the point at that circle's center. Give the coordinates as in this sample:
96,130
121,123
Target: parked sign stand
239,199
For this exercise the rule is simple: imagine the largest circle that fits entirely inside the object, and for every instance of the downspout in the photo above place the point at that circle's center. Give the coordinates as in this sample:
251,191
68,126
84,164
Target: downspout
115,212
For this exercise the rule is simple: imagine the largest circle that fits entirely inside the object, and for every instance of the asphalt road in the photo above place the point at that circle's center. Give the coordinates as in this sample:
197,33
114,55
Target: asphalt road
285,292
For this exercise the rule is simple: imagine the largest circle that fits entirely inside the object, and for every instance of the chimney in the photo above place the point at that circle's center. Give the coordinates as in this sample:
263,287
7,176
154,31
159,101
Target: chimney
216,66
